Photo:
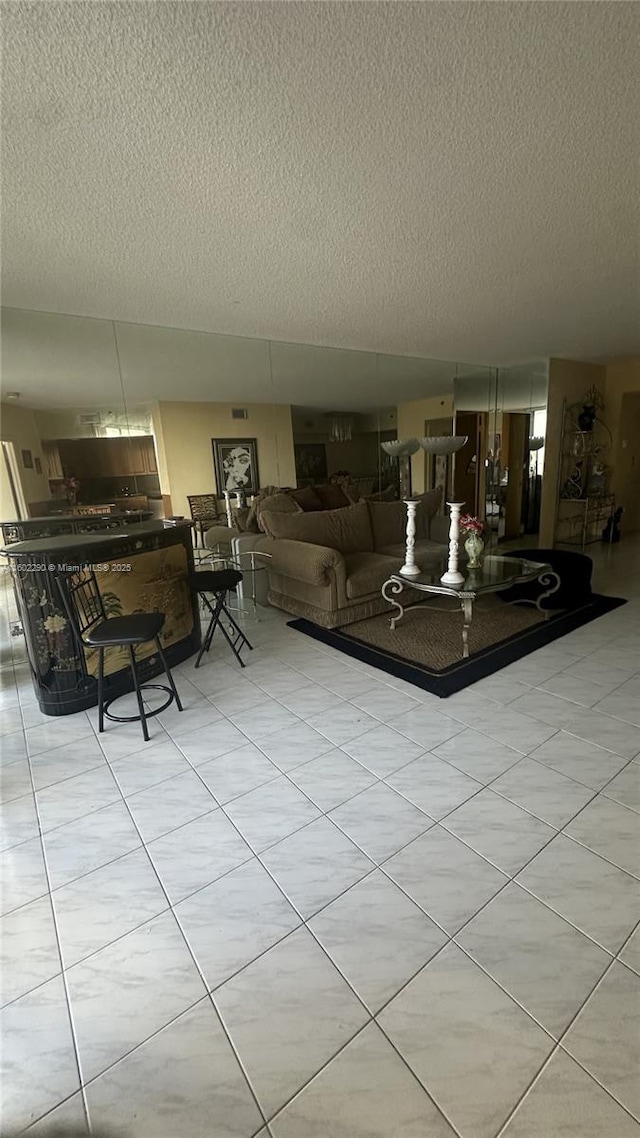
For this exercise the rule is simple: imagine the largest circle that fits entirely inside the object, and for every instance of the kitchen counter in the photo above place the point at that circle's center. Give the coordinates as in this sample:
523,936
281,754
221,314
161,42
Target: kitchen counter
52,524
143,567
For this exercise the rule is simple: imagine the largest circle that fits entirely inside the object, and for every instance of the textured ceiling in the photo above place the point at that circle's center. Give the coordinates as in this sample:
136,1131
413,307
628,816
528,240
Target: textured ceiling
455,180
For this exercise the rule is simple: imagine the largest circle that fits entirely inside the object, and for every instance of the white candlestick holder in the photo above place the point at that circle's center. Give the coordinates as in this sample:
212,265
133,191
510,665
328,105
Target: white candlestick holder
410,568
453,576
227,503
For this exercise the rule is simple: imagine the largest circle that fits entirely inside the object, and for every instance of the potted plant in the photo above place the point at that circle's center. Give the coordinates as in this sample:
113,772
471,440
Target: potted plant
473,529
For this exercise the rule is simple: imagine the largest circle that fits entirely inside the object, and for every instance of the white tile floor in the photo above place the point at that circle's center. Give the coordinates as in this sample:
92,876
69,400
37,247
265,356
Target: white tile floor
324,904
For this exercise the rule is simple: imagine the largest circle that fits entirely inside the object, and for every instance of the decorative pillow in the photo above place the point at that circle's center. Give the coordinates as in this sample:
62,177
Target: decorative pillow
332,497
307,499
347,529
275,504
266,492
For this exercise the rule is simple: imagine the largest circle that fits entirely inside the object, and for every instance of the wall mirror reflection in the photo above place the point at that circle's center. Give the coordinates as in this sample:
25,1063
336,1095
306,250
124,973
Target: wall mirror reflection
504,413
92,454
103,417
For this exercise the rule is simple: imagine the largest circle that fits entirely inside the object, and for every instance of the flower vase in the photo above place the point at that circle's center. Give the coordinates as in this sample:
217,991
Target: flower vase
474,546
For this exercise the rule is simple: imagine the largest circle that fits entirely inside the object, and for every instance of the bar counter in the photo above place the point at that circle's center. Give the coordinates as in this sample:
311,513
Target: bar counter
143,567
52,525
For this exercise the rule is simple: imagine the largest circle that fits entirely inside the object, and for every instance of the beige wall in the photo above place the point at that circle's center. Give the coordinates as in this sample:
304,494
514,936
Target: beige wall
568,380
411,420
18,425
61,425
184,431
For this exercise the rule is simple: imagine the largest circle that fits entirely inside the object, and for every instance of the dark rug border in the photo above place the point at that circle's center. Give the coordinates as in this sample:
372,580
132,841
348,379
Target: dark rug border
459,675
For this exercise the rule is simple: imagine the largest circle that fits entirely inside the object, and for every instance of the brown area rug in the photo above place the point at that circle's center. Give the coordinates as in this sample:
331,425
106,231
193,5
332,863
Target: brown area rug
431,635
425,648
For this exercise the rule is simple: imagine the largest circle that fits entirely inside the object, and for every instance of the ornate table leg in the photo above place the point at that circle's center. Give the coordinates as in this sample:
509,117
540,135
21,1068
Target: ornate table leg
547,578
466,604
394,587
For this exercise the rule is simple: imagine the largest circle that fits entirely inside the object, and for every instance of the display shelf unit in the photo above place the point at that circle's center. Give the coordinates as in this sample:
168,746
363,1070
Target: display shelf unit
580,521
584,504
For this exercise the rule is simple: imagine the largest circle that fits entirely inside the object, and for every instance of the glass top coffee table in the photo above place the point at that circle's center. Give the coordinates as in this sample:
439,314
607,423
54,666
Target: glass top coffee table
494,574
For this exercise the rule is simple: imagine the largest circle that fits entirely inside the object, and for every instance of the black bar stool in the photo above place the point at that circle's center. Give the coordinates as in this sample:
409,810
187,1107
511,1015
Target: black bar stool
93,628
217,583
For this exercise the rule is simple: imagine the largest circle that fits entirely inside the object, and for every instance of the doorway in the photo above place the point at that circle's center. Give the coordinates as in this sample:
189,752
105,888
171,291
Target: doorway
468,463
12,503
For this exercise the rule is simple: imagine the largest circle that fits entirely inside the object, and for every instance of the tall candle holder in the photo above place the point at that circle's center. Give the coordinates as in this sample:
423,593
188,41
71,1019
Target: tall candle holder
453,576
228,510
410,567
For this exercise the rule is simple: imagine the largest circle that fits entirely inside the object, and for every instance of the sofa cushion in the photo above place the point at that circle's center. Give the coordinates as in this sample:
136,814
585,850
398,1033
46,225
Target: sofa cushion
275,504
332,496
307,499
389,519
388,522
429,506
366,573
348,530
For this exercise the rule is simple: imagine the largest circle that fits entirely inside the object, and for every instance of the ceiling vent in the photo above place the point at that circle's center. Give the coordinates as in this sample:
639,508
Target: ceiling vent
239,413
92,419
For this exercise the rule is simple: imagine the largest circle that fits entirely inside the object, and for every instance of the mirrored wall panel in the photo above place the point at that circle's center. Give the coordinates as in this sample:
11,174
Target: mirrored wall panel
101,415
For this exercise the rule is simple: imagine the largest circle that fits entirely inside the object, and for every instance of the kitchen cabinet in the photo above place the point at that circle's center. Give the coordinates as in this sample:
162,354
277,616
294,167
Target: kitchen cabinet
141,456
51,456
105,458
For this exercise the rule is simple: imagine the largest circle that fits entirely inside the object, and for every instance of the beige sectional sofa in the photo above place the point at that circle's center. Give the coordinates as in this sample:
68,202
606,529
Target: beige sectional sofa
329,566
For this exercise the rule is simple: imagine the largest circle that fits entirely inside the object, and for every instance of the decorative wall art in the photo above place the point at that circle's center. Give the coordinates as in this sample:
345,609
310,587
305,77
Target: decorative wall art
236,465
27,459
311,461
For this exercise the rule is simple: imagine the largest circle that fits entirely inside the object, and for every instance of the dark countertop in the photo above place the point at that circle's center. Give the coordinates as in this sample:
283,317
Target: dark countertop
115,514
87,541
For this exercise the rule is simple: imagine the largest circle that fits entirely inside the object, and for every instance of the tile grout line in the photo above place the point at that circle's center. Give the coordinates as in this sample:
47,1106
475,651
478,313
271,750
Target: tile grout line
72,1025
207,994
324,814
559,1047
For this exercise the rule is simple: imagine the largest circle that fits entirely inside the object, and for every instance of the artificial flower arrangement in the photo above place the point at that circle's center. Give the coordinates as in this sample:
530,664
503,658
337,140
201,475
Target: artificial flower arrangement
470,524
474,545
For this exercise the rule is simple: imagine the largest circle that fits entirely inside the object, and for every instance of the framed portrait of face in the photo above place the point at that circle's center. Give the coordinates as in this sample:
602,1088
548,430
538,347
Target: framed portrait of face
236,465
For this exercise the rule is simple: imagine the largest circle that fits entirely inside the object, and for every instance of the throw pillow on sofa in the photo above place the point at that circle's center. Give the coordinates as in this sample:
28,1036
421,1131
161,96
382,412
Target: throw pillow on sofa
307,499
275,504
267,492
348,530
332,496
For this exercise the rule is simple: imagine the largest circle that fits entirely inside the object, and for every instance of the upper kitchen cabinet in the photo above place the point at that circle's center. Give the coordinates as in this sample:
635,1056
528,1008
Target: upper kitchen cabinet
103,458
141,455
51,456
